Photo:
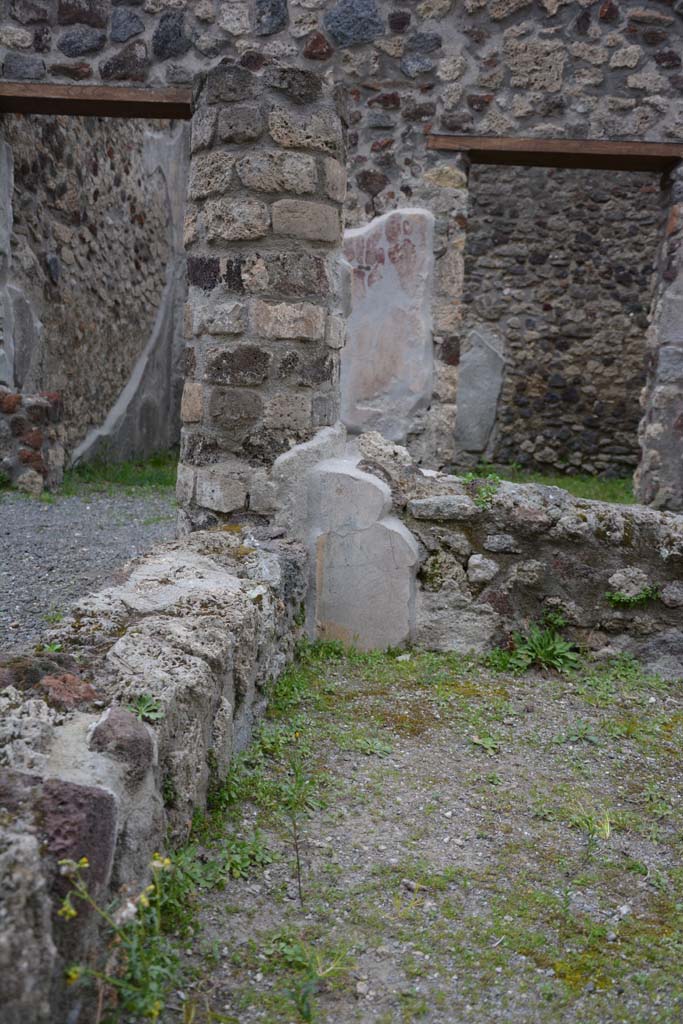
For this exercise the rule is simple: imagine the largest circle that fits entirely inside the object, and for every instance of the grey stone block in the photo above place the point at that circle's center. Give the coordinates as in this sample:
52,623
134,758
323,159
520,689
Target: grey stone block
482,367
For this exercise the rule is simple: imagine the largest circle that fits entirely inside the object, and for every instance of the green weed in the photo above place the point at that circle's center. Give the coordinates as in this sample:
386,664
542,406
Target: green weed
619,600
158,472
143,964
541,648
146,708
482,489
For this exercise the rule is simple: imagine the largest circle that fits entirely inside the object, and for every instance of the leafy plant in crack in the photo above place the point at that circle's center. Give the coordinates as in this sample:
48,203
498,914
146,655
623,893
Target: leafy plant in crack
482,489
543,648
146,708
620,600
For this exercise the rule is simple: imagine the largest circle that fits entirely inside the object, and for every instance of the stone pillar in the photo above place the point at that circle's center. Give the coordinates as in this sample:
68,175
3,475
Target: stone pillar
263,318
659,477
6,190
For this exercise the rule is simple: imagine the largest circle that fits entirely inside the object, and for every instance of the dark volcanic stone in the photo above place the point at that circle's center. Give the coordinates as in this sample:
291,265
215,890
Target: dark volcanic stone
654,36
83,12
424,42
479,103
129,64
23,66
125,24
169,39
122,736
252,60
28,12
450,351
42,39
352,22
609,11
271,16
668,59
372,182
399,20
301,86
203,271
583,23
232,274
81,40
77,72
80,821
244,366
317,47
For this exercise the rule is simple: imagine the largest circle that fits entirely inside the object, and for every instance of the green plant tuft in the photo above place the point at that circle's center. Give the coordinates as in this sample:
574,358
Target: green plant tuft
482,489
146,708
620,600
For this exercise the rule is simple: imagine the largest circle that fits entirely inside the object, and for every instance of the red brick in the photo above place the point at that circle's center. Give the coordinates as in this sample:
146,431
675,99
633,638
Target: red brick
9,403
33,438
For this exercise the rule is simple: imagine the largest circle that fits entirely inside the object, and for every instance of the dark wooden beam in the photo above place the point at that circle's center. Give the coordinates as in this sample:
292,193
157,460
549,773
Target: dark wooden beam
579,153
95,100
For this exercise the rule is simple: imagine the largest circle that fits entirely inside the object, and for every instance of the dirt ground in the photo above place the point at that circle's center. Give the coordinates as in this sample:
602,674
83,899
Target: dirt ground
472,846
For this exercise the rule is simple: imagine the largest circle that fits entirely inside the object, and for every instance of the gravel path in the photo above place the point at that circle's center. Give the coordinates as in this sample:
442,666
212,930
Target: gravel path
52,553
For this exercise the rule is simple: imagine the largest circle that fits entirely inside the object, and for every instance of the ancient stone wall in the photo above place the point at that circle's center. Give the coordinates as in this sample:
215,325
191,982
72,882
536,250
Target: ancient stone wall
597,68
200,628
559,266
94,247
569,68
31,441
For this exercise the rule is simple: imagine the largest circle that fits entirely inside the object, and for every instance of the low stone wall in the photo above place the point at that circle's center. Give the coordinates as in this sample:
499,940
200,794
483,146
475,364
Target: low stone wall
199,627
405,555
31,440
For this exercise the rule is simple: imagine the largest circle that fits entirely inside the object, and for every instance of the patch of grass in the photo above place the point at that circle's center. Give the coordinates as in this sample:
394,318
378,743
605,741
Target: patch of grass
158,472
618,490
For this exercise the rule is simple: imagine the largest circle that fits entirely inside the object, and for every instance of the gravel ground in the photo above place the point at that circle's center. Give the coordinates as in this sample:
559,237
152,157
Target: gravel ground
474,848
54,552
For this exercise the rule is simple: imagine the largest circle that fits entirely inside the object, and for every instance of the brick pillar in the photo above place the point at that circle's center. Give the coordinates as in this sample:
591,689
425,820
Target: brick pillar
263,321
659,477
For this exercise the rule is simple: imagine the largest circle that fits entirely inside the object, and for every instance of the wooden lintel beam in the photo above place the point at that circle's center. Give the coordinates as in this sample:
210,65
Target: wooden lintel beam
576,153
96,100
